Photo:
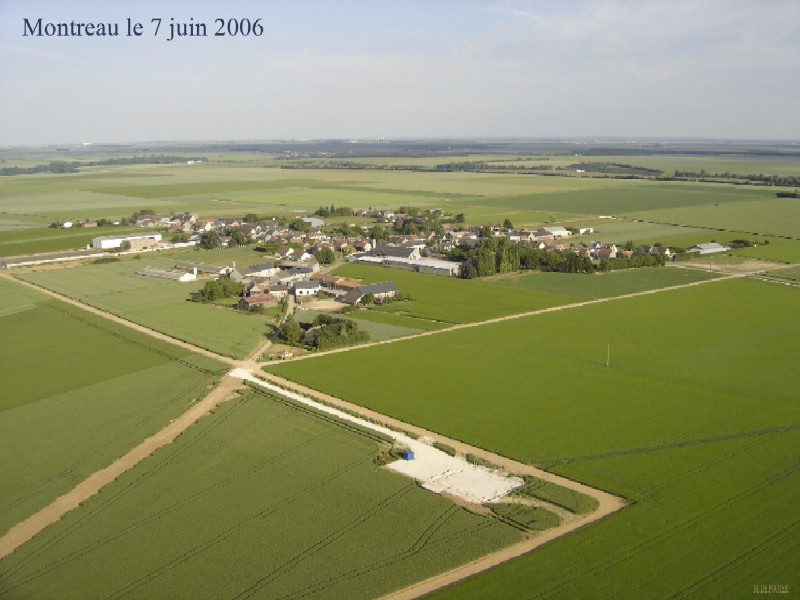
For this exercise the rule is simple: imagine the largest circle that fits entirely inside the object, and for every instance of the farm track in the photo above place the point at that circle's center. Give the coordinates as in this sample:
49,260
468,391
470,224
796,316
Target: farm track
607,503
24,531
112,317
531,313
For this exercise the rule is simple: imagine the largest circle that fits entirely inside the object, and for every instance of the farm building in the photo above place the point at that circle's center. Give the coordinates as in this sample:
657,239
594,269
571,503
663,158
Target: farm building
395,252
173,274
710,248
253,302
133,241
447,268
305,288
205,268
380,291
253,271
47,257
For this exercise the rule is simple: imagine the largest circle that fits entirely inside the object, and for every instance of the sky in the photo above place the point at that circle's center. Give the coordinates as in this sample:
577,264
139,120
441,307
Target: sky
347,69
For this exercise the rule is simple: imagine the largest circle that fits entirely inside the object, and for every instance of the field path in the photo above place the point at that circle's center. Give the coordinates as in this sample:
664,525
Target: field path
607,503
530,313
112,317
24,531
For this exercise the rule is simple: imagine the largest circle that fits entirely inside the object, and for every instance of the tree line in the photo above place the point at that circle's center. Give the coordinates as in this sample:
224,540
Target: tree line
60,167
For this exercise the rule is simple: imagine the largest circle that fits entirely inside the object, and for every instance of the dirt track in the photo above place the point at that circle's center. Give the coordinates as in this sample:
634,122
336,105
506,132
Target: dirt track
24,531
518,316
607,503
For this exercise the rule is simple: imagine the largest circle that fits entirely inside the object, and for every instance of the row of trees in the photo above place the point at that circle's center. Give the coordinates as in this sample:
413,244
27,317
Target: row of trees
58,167
332,211
497,255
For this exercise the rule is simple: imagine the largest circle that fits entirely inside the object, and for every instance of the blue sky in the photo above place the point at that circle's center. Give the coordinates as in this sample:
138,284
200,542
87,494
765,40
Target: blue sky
366,69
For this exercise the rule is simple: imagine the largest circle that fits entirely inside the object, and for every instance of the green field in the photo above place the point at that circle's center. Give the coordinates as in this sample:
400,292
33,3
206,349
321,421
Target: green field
78,392
579,286
249,503
693,422
450,300
46,239
160,304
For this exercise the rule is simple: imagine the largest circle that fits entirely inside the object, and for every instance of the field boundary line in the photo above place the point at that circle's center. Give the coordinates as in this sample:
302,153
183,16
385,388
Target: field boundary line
606,503
514,316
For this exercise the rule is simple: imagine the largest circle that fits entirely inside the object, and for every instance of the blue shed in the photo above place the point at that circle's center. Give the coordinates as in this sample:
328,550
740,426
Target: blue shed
407,455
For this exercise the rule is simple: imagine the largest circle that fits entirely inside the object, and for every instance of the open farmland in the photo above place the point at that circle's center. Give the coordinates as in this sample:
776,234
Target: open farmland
272,526
74,403
160,304
694,422
579,286
450,300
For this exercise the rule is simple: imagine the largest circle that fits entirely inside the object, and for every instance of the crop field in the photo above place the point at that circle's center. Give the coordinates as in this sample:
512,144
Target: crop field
450,300
766,216
694,421
45,239
78,391
579,286
160,304
248,503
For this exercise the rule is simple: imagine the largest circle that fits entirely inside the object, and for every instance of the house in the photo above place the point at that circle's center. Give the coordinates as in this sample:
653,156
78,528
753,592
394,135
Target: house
279,290
285,252
305,288
556,232
604,254
250,303
380,291
585,230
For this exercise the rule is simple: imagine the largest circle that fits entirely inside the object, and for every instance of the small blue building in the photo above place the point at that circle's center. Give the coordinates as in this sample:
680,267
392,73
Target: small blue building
407,455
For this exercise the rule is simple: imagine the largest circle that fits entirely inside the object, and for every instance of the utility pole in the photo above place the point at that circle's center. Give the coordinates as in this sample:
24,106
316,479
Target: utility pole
608,356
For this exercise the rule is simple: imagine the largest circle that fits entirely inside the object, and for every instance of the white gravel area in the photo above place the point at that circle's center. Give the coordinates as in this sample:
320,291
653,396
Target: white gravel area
437,471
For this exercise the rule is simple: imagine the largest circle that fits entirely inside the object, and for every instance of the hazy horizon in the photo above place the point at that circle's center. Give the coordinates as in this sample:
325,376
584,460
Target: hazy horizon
515,69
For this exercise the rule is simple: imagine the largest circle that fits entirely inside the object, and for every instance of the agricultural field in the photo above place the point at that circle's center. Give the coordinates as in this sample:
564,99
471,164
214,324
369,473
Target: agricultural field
449,300
687,399
229,511
579,286
160,304
32,240
78,392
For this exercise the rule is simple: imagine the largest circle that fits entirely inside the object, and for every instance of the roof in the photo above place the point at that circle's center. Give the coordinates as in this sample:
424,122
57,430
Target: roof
259,299
260,267
378,288
306,285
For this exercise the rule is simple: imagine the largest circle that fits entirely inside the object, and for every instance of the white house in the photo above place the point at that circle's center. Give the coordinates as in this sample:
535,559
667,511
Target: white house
305,288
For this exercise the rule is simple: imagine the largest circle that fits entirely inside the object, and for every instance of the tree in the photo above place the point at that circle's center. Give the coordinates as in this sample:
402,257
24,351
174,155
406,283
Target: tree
459,218
325,256
251,218
238,237
368,299
210,241
290,331
508,225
